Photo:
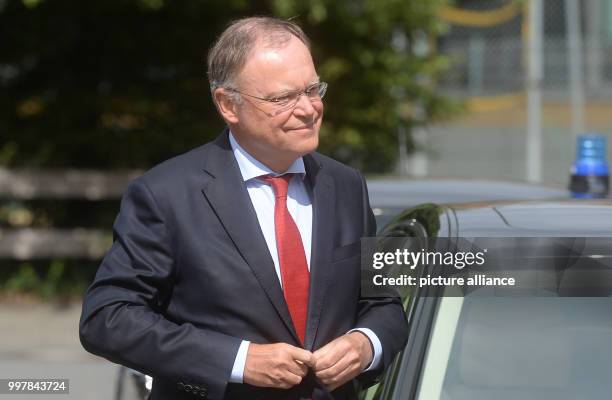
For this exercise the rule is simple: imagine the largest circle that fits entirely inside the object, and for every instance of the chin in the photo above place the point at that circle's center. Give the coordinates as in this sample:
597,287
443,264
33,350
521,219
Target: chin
303,145
310,145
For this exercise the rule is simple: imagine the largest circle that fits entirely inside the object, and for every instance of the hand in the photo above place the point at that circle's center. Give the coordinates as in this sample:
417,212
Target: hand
342,359
277,365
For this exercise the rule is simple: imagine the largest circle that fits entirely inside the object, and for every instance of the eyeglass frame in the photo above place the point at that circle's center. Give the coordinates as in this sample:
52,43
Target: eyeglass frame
322,88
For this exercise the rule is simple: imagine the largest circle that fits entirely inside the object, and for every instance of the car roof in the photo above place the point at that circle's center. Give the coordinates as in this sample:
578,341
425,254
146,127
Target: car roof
524,218
401,193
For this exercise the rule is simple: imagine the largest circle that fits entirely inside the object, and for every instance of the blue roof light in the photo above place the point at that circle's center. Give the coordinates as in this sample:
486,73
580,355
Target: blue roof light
590,172
591,155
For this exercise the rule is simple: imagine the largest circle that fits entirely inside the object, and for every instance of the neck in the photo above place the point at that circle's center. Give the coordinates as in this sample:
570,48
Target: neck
278,163
279,166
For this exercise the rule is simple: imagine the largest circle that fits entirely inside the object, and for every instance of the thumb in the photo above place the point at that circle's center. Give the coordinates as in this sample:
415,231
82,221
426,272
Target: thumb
303,356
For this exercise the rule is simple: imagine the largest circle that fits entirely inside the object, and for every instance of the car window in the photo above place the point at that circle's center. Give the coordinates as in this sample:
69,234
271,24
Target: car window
409,230
519,348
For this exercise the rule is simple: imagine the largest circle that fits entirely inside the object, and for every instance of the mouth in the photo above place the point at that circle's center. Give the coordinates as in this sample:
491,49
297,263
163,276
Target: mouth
304,127
309,126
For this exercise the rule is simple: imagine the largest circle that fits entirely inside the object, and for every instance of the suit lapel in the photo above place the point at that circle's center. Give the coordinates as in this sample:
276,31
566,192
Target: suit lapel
323,200
226,193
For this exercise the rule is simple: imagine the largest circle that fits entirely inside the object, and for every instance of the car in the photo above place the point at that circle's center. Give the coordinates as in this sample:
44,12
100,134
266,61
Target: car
481,346
389,196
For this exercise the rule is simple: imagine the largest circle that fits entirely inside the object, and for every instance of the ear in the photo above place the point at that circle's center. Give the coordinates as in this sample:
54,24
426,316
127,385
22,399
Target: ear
226,105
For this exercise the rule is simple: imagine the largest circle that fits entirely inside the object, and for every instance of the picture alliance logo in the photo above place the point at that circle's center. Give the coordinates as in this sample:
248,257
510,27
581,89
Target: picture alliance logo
412,259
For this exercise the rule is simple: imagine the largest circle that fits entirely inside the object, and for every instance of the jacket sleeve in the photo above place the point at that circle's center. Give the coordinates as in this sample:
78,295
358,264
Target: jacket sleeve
123,310
385,316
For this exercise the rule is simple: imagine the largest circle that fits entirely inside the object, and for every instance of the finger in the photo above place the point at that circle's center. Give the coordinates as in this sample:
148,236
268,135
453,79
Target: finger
326,359
289,380
329,373
297,368
325,349
341,378
316,355
302,355
332,372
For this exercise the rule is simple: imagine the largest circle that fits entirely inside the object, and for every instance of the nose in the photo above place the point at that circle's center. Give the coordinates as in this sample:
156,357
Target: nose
304,106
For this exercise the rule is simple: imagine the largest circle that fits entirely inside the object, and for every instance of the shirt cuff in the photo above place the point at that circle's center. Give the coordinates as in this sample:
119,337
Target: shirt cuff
376,346
239,362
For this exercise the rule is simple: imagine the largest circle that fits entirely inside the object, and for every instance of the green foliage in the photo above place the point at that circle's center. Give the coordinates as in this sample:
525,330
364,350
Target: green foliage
377,81
54,279
24,279
121,83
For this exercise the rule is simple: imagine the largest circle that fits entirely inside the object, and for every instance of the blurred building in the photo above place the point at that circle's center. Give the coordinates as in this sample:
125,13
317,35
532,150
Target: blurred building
487,48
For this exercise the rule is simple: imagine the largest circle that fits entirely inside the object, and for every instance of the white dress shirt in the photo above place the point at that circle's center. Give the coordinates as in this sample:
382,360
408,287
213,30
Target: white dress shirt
300,208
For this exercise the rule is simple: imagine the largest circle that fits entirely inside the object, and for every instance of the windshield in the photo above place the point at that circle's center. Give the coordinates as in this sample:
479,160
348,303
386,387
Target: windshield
519,348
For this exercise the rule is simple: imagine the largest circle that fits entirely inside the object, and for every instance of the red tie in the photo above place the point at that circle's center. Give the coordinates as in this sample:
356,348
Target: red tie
291,256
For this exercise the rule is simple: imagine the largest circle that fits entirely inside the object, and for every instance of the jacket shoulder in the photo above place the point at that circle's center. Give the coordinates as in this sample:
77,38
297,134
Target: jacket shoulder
173,171
172,178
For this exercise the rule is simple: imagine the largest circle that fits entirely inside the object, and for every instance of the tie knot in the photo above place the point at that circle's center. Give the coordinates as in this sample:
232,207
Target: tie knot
280,184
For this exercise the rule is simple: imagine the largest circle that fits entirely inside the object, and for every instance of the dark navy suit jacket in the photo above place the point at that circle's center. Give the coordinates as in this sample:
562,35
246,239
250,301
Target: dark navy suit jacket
189,276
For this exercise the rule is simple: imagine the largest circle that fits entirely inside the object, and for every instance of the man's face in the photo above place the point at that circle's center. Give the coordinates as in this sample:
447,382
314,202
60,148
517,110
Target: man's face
277,138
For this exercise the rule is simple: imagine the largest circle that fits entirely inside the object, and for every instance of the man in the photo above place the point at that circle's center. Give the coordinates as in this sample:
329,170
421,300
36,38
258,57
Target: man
234,273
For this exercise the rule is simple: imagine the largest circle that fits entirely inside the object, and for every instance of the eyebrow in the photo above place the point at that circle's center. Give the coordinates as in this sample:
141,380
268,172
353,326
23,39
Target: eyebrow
282,92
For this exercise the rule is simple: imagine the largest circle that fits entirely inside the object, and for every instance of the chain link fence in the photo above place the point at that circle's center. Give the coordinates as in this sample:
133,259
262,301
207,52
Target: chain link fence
487,43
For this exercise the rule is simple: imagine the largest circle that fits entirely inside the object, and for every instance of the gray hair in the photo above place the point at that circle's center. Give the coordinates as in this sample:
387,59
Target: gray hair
229,54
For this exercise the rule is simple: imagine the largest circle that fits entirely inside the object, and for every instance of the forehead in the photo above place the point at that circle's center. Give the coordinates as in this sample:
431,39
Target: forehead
282,67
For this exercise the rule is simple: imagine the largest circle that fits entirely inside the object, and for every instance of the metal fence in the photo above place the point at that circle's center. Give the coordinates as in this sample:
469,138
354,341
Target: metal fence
488,43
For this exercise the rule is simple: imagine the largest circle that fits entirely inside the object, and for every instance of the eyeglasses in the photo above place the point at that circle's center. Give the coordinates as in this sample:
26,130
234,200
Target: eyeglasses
288,100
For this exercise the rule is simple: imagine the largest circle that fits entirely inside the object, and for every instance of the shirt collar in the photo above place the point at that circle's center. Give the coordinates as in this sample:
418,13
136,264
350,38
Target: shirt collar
251,168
